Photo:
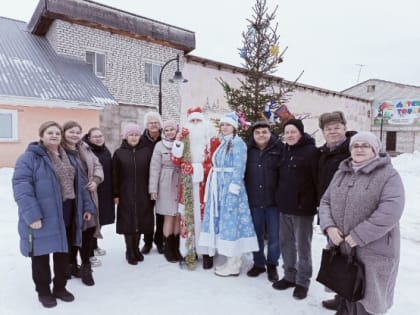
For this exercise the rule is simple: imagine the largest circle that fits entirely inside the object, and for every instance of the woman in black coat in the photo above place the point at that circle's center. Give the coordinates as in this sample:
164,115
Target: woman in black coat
130,167
95,139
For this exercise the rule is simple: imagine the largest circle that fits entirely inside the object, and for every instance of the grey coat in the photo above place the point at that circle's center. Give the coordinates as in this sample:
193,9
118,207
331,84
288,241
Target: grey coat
368,205
164,179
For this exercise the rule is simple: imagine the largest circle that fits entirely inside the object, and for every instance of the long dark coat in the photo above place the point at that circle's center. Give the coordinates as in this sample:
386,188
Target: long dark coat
329,162
298,170
106,202
130,169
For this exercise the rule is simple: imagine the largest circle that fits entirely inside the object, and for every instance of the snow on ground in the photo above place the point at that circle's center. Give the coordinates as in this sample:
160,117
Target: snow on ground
157,287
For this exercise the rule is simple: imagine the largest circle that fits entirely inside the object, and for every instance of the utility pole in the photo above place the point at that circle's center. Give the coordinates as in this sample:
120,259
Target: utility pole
360,70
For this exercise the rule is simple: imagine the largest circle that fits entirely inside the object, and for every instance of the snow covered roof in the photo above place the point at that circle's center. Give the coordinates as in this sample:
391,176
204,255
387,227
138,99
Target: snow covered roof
33,73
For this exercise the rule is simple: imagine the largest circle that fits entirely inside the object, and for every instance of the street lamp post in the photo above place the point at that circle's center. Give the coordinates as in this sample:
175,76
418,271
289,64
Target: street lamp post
177,78
381,113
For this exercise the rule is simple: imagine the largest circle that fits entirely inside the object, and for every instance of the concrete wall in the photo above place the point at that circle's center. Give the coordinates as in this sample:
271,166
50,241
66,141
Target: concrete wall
203,90
29,120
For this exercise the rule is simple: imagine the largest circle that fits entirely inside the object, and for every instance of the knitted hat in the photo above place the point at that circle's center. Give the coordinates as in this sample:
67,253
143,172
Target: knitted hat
336,116
130,129
260,124
170,123
195,113
367,137
231,119
297,123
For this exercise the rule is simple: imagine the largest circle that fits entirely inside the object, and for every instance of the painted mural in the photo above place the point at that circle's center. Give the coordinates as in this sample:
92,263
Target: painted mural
397,112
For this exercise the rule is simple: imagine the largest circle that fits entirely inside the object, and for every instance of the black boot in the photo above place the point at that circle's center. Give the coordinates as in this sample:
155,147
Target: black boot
168,245
207,262
176,248
86,274
130,255
139,255
272,274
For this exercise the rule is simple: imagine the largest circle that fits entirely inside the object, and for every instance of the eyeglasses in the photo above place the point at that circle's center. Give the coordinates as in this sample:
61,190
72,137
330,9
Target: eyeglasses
363,146
153,123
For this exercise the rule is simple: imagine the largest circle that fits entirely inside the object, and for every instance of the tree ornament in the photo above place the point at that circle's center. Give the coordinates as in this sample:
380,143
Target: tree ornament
274,50
243,53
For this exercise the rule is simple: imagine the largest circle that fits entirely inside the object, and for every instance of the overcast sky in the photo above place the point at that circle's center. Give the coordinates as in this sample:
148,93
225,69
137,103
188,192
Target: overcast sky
327,39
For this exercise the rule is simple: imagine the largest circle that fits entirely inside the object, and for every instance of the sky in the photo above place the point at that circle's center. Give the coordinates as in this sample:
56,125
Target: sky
335,43
155,286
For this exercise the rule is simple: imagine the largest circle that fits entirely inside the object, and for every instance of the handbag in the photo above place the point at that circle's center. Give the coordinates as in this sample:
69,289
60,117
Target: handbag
343,274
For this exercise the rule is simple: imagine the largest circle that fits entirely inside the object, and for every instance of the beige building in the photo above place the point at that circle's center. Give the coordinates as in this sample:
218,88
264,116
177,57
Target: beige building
306,101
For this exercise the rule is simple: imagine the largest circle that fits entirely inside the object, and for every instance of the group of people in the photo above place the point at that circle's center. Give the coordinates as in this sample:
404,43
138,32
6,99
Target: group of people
196,193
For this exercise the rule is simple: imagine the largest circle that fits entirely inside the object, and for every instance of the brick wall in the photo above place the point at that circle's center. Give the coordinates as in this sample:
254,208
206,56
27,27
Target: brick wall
124,77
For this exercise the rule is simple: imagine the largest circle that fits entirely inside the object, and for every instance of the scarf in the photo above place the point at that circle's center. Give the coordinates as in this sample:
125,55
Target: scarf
64,171
358,166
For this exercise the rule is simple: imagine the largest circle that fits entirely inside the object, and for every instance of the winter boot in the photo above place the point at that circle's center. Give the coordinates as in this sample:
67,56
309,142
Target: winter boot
231,268
86,274
207,262
138,254
168,245
176,248
130,255
272,274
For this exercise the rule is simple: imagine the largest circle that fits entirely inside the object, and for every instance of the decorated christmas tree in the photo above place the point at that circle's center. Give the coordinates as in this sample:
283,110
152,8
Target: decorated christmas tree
261,96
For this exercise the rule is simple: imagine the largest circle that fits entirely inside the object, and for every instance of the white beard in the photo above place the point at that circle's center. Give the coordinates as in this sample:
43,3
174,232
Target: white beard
199,135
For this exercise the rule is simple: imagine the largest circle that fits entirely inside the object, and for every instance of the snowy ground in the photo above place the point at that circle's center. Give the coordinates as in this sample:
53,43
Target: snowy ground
157,287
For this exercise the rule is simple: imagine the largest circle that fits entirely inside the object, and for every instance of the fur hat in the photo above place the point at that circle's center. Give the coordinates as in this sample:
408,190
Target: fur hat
367,137
151,115
130,129
195,113
336,116
231,119
297,123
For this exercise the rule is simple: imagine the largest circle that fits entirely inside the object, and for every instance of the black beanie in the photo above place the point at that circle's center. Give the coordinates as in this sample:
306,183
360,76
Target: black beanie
297,123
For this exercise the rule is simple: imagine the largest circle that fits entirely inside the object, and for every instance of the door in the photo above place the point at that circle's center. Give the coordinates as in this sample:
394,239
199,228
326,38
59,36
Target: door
391,141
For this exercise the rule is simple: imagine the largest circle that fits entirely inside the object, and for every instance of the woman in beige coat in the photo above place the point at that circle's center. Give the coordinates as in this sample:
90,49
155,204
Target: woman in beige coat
163,187
94,175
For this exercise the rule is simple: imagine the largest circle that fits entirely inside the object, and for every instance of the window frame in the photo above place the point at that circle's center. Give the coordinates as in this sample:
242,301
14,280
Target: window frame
95,64
14,125
152,72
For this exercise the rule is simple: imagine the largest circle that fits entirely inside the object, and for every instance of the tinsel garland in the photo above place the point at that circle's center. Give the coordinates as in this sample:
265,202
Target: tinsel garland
190,258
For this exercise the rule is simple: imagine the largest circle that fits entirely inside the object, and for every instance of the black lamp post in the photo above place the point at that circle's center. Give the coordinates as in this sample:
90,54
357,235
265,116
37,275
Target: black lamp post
381,113
177,78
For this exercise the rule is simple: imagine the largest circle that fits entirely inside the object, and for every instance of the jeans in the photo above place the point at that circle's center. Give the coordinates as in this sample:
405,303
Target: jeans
295,243
267,218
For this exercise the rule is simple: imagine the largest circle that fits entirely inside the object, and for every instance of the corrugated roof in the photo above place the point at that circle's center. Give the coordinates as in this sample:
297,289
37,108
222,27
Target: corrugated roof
30,68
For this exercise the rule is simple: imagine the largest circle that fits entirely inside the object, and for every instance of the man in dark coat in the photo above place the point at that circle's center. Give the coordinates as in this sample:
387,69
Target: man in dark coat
264,149
335,150
297,200
151,136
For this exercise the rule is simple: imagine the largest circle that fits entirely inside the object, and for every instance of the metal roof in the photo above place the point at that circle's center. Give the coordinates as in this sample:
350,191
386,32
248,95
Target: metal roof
30,68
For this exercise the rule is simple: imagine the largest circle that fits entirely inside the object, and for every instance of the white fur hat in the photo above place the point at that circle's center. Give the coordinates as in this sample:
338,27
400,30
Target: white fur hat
195,113
231,119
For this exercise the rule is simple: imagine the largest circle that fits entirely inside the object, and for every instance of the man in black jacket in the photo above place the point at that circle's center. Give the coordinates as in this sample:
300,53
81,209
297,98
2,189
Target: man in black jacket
335,150
264,151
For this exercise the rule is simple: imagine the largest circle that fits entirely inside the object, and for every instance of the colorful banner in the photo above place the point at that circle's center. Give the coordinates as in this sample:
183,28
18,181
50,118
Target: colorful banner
397,112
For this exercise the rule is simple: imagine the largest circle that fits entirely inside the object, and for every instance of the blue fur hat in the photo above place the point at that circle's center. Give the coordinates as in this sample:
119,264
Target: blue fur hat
231,119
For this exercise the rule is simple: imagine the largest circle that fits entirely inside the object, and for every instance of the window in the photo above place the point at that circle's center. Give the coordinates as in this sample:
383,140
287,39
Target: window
151,72
96,61
8,125
370,88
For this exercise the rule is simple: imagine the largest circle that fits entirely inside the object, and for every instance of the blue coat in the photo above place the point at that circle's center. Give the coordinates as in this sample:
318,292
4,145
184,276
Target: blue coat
37,193
227,224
